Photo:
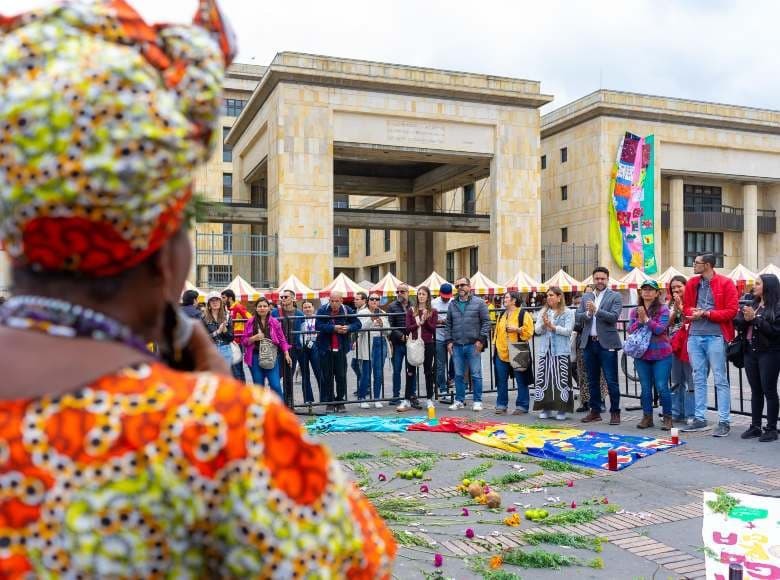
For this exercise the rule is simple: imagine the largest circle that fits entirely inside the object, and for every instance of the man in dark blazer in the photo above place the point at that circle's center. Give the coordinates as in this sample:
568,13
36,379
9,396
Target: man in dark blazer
598,313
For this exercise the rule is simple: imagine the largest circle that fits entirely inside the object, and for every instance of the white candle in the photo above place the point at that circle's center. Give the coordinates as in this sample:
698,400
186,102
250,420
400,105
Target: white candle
675,432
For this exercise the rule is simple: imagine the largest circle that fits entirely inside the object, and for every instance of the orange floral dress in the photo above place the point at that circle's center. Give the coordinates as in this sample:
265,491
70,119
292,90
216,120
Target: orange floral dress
155,473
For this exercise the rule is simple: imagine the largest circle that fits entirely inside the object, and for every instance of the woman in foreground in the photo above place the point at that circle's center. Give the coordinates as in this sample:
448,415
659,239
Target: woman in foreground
117,464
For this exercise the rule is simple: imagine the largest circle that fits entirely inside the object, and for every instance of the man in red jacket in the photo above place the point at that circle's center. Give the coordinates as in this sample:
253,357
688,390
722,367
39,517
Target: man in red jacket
710,302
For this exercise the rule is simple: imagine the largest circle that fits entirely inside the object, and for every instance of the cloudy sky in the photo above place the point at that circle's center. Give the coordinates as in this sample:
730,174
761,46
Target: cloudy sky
709,50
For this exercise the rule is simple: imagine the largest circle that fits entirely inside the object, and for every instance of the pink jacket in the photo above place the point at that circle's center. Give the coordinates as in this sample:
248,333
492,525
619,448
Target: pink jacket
274,329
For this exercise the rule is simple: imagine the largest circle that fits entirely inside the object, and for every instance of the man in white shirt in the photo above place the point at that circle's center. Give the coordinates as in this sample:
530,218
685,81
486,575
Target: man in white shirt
598,313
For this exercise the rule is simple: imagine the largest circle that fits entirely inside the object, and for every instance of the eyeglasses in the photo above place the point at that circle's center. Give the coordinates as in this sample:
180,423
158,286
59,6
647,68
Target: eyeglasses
374,298
403,291
461,285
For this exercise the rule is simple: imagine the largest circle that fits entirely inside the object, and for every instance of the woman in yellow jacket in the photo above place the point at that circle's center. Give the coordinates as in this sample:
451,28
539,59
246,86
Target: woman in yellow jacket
510,327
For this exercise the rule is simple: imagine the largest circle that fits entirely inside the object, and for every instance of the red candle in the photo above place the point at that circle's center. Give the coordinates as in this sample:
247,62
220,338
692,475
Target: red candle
612,460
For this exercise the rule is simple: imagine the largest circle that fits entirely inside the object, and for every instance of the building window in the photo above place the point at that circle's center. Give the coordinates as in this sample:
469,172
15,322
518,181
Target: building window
469,198
368,242
698,243
232,107
544,161
341,242
564,192
564,154
702,198
227,150
450,274
564,235
219,276
373,274
387,240
473,261
227,238
391,268
227,188
259,195
340,200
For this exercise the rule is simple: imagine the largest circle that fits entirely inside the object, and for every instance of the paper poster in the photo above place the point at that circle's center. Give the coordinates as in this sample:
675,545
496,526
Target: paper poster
748,534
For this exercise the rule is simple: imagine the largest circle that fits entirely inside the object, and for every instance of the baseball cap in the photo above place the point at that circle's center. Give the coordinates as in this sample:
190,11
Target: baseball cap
652,283
445,290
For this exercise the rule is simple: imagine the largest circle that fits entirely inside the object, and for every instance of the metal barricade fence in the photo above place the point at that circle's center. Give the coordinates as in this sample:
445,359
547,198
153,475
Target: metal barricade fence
629,382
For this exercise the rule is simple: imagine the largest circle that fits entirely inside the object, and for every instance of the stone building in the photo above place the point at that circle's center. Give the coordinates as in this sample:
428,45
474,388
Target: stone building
718,167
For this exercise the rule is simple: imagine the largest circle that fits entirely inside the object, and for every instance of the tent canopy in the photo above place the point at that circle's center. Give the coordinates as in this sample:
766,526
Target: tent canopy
301,290
434,282
667,276
770,269
522,282
344,284
481,285
635,278
243,290
565,282
742,275
388,286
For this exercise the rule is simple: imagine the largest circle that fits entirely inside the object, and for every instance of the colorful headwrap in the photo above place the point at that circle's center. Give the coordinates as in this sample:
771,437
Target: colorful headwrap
102,120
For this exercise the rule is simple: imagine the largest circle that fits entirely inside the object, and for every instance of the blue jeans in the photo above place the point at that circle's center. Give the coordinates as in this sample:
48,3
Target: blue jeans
597,360
259,375
683,403
310,361
441,366
398,361
378,356
709,352
655,373
227,354
502,386
466,355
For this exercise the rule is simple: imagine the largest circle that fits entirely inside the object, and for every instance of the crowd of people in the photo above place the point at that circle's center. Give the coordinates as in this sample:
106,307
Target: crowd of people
675,340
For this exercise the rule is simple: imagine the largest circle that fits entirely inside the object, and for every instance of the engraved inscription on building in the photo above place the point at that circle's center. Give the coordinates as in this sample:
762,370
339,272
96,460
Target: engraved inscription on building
420,132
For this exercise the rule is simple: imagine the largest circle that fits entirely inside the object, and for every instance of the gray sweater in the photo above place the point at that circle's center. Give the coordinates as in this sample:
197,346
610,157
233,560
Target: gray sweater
467,326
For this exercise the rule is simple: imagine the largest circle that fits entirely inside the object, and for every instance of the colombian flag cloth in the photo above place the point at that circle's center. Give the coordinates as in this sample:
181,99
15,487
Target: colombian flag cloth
519,438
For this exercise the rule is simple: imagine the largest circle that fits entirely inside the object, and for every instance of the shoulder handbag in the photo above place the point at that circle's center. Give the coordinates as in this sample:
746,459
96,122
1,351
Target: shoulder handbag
519,352
679,343
415,350
637,343
235,353
735,351
267,353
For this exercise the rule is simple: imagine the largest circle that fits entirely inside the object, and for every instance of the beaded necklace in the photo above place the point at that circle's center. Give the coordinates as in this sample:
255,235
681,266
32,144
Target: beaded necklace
60,318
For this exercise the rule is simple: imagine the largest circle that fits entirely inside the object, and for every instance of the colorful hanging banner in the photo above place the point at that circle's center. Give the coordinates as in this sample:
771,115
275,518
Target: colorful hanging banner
632,205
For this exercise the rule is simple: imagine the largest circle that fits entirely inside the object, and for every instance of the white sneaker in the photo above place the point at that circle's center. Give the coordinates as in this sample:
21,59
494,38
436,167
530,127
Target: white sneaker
365,405
404,406
428,403
689,421
477,406
561,416
377,405
544,415
456,406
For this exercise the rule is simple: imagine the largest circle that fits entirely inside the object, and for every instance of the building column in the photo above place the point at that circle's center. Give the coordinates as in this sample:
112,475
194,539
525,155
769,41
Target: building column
676,223
300,186
515,202
416,247
750,229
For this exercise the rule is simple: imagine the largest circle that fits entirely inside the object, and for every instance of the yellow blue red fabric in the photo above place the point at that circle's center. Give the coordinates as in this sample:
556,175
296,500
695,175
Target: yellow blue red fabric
155,473
103,118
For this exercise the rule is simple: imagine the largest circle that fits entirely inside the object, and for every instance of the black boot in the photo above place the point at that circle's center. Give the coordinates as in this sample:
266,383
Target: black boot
768,435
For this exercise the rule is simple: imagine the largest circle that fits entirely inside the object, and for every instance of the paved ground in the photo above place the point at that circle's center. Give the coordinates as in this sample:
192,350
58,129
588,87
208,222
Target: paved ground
656,535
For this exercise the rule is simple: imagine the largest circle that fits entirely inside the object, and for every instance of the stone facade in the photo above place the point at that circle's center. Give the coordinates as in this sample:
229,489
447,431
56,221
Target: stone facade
305,104
734,148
